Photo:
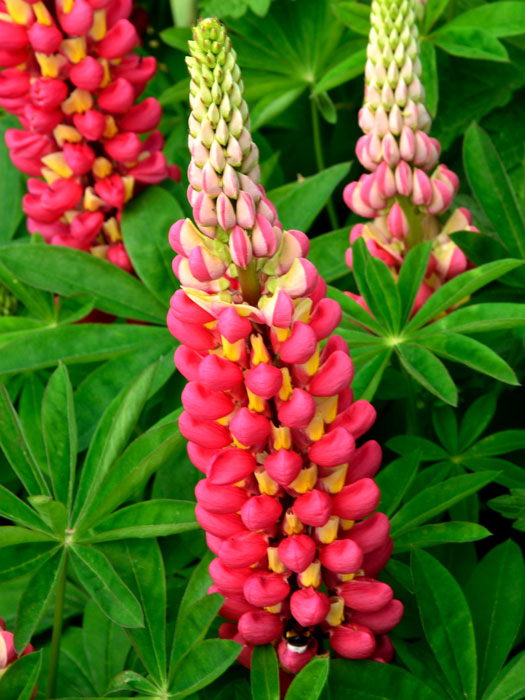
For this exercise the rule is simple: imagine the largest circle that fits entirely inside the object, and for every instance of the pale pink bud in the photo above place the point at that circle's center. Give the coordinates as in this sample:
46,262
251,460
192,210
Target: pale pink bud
357,500
365,594
353,200
230,466
283,466
264,380
385,181
225,212
240,247
266,209
300,346
403,178
204,210
230,182
260,627
289,251
204,265
353,641
376,560
265,589
300,280
381,621
303,241
206,433
397,222
421,188
260,512
297,552
184,237
220,525
219,499
264,238
341,556
441,197
370,193
333,376
210,181
230,581
277,309
242,550
356,232
423,149
361,150
391,150
407,144
204,403
298,411
232,326
245,210
293,659
187,310
326,318
309,607
332,449
313,508
219,373
249,428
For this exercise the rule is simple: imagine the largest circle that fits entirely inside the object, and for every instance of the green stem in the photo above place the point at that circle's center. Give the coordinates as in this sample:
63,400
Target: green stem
249,283
319,159
57,631
184,12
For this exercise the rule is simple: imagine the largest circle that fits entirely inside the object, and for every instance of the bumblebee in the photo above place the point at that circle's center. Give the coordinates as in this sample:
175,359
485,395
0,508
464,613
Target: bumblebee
297,638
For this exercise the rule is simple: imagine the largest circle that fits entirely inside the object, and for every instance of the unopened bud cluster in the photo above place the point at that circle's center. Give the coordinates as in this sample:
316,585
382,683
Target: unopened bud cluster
288,499
72,79
406,189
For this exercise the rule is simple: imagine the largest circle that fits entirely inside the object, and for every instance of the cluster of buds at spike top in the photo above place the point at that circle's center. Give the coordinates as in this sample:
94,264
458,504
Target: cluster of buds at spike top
406,189
72,79
288,499
8,654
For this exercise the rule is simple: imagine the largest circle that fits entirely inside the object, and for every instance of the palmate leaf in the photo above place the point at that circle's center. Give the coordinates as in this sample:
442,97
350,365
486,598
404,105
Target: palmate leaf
510,683
194,625
205,662
511,506
439,533
427,370
469,42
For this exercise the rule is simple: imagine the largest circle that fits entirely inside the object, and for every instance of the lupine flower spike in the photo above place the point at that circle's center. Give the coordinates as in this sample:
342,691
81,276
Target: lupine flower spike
8,653
407,189
72,79
288,499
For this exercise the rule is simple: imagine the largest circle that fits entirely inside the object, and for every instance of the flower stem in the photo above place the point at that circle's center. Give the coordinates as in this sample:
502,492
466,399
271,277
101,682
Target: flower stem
184,12
249,283
319,159
57,631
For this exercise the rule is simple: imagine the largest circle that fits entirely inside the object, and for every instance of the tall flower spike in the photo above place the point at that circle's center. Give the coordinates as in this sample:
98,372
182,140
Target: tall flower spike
270,419
406,189
72,79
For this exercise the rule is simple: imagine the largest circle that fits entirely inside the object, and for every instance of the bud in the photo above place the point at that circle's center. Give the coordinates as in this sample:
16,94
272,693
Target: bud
142,117
233,326
219,524
313,508
297,552
383,620
87,75
219,499
300,346
293,658
230,581
332,449
209,434
218,373
204,403
243,549
240,247
357,500
372,533
365,594
260,627
249,428
119,40
309,607
283,466
265,589
231,465
353,641
260,512
334,375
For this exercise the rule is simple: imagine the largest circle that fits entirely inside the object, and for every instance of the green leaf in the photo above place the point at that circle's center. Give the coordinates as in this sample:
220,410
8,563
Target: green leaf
83,343
76,272
20,559
153,518
500,19
511,506
53,513
433,12
510,683
140,460
470,352
106,587
411,276
469,42
19,679
194,625
498,444
38,303
197,587
354,15
429,75
141,566
447,623
477,417
274,104
11,185
11,535
480,318
430,372
495,595
509,475
111,437
368,375
368,680
325,106
355,313
146,220
177,37
327,252
446,427
16,449
60,434
13,508
395,480
385,293
264,674
457,289
436,499
29,412
492,188
300,202
429,451
36,597
308,684
205,662
439,533
349,68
